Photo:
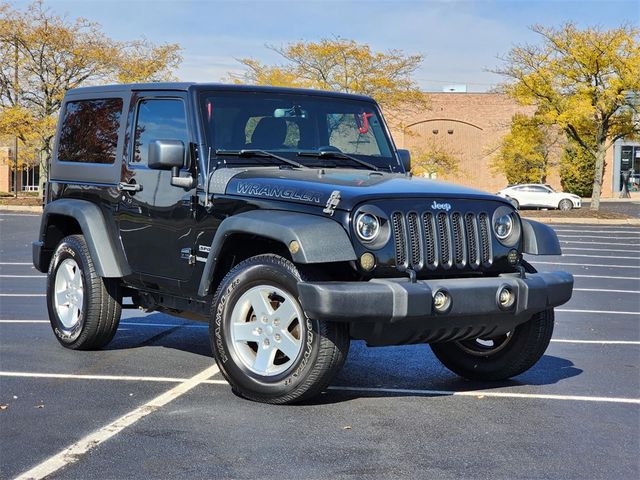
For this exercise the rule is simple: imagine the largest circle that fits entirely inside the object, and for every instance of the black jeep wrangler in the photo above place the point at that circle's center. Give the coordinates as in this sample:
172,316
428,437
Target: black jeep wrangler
289,221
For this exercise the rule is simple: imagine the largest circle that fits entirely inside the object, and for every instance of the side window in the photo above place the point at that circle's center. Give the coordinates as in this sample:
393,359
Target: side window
158,119
89,132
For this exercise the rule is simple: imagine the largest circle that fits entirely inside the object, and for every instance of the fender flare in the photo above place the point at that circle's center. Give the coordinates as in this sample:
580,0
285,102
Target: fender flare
108,258
321,239
539,239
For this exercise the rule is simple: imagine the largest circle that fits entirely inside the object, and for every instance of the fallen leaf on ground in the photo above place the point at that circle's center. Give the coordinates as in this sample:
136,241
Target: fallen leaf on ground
4,407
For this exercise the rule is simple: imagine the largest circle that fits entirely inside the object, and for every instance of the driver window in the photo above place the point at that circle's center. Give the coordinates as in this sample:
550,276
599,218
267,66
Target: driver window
158,119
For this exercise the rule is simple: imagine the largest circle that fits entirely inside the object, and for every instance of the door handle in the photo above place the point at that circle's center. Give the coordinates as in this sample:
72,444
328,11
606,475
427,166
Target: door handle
129,187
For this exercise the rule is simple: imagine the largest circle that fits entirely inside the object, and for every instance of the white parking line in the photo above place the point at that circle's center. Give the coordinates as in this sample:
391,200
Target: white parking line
605,290
604,237
596,342
580,249
204,378
585,264
16,263
591,256
23,276
597,231
23,295
486,393
125,324
17,215
613,312
24,321
171,325
605,276
127,378
602,243
74,452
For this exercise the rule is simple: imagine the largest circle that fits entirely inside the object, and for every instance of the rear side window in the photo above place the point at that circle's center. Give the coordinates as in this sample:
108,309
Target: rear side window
158,119
89,132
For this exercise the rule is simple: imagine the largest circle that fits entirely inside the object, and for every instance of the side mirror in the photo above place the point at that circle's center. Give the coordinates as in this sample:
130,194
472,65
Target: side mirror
166,154
405,159
170,155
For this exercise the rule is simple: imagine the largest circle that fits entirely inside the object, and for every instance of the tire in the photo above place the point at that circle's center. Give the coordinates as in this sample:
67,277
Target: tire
275,360
515,203
509,356
565,205
84,309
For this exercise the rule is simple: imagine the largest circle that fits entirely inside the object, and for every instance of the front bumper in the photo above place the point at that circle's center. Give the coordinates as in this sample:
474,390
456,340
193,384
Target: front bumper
391,311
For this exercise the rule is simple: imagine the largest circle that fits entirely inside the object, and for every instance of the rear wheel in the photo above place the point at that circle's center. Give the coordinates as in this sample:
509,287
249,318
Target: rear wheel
499,357
264,344
565,205
515,203
84,309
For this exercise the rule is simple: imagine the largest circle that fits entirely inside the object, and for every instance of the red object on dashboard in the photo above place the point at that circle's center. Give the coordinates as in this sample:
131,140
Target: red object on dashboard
363,124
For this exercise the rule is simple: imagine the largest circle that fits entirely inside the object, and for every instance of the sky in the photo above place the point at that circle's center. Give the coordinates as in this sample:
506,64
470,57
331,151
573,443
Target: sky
460,40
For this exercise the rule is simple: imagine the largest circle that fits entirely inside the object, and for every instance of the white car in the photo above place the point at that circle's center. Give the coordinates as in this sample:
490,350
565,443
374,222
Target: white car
535,195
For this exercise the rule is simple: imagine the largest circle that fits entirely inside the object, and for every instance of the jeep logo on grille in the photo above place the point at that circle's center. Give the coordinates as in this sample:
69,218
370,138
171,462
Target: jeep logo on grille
440,206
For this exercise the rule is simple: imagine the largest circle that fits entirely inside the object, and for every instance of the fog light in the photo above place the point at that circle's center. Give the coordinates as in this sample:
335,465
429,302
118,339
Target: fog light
441,301
506,298
367,261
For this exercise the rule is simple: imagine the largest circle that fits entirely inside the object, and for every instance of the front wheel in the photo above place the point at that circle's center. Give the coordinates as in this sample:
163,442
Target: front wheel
500,357
565,205
264,344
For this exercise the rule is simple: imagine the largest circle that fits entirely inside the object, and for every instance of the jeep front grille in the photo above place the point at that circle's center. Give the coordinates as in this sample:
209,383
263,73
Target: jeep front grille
442,240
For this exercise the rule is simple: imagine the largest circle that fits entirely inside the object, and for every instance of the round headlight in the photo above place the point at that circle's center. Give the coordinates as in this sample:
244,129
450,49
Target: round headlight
503,226
367,227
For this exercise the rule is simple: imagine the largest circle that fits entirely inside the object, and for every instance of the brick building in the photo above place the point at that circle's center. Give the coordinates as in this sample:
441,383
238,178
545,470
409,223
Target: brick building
470,126
27,177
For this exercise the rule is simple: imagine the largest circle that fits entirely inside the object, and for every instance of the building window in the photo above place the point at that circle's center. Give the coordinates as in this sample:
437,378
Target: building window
630,158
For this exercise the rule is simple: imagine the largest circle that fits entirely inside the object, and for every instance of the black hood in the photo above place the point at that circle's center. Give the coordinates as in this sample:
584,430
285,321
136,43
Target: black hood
315,186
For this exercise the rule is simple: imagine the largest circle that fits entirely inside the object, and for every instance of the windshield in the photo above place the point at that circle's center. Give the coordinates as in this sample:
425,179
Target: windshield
297,127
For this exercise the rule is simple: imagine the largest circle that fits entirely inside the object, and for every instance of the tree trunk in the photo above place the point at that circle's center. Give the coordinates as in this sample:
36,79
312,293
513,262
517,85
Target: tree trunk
597,178
44,174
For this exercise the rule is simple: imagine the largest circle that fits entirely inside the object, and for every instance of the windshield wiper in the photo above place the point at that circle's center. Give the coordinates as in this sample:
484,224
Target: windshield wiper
259,153
331,154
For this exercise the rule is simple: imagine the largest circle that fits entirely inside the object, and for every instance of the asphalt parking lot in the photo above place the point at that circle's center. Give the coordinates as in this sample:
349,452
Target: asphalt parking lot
151,404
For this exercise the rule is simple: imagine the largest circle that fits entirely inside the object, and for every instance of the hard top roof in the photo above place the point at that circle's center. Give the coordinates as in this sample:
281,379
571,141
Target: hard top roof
221,87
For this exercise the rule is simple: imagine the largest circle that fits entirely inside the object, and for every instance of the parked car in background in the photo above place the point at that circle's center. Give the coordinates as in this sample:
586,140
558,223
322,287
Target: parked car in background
535,195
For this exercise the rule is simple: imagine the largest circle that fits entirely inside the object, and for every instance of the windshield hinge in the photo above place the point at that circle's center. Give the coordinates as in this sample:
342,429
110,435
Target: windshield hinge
332,203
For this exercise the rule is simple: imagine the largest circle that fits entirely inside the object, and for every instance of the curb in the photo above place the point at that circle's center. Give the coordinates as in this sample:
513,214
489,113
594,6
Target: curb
20,208
587,221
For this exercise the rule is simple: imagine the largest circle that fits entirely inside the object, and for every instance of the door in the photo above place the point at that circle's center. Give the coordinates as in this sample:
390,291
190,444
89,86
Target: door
155,218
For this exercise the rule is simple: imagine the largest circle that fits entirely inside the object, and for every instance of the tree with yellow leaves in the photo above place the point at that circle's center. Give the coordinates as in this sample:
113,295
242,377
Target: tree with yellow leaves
582,81
345,66
43,55
525,153
434,161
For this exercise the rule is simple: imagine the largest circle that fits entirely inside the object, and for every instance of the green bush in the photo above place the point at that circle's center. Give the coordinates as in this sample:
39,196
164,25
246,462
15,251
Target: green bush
577,168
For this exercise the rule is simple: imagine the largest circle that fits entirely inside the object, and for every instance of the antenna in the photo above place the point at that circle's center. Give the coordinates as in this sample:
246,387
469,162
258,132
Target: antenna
207,201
